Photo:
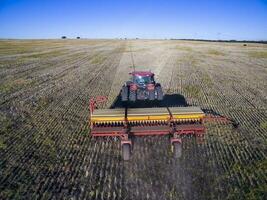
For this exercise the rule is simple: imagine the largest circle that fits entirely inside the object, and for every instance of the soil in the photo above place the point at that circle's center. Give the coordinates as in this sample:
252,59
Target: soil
45,147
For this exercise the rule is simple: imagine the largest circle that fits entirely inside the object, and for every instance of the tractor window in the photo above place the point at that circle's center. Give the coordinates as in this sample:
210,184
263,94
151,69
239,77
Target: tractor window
143,80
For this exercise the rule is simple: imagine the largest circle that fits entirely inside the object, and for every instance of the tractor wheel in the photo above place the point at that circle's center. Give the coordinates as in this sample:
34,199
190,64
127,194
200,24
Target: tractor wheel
126,150
132,96
151,96
159,93
124,93
177,150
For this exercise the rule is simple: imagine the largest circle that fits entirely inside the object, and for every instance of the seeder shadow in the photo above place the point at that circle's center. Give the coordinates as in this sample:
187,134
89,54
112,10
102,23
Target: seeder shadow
169,100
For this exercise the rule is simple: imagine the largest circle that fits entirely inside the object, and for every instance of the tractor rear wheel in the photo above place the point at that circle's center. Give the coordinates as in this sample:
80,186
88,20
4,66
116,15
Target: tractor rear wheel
177,149
124,93
132,95
159,93
126,150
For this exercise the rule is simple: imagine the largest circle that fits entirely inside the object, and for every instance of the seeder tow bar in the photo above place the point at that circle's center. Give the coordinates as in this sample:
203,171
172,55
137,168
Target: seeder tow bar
128,122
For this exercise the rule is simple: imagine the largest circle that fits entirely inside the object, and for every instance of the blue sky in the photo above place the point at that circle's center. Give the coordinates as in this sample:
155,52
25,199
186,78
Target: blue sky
205,19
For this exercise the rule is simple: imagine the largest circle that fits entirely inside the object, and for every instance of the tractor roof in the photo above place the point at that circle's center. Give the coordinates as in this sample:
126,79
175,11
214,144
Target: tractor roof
142,73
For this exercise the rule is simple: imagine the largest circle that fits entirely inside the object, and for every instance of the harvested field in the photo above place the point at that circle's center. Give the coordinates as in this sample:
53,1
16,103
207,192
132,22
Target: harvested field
45,148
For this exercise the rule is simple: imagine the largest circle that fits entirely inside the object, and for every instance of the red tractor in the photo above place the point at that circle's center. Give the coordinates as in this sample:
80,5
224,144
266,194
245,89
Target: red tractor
142,86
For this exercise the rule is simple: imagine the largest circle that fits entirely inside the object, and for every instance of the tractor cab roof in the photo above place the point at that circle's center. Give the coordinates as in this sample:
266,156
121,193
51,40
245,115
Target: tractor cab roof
142,73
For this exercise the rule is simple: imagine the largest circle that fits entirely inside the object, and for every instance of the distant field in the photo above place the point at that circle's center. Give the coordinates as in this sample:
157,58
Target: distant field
45,148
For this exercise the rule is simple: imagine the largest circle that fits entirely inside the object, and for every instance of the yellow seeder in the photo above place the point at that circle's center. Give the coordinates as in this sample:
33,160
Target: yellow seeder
113,117
128,122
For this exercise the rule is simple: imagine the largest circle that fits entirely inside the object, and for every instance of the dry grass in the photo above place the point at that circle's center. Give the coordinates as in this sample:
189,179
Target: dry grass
13,85
192,90
258,54
44,133
98,59
215,52
263,125
44,55
183,48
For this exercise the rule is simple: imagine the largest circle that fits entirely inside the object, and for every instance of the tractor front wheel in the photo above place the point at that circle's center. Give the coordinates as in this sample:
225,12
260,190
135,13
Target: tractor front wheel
126,151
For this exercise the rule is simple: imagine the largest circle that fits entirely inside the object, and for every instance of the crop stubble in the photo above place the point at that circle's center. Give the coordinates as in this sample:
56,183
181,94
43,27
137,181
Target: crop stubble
45,148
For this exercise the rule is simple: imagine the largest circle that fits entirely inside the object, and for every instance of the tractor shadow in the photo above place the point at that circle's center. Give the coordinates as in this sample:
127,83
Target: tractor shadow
169,100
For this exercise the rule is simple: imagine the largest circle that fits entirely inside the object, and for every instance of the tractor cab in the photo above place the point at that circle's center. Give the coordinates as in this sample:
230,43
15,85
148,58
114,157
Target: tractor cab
142,78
